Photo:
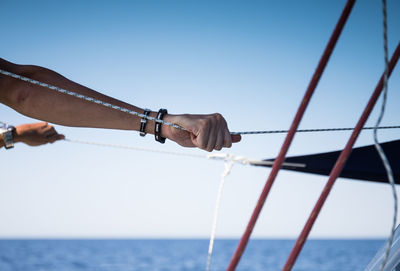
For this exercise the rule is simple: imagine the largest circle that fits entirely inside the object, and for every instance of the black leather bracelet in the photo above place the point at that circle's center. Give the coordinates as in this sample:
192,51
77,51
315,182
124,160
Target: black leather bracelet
157,129
143,122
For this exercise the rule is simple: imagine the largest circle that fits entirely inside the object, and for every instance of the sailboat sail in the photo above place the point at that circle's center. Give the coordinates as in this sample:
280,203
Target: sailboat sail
364,163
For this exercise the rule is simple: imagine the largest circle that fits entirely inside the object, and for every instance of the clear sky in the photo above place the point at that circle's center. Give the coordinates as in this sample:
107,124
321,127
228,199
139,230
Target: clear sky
250,61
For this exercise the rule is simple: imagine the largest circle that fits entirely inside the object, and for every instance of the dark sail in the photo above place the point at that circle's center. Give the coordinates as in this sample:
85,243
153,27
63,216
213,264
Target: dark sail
364,163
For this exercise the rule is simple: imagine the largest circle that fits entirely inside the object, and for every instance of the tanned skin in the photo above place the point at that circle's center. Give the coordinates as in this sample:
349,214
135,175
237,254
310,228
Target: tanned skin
208,132
34,134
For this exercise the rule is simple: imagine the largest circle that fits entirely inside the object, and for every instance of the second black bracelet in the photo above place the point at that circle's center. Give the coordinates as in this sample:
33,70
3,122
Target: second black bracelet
157,129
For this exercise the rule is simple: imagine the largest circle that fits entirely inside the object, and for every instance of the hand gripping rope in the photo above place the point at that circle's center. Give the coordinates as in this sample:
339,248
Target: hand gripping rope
289,137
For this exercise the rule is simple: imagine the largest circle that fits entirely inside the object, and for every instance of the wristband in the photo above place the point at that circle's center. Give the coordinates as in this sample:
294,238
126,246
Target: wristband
143,122
7,134
157,129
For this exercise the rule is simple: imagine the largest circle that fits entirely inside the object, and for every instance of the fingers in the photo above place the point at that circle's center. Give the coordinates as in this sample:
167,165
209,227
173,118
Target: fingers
50,134
213,133
219,144
227,138
42,124
55,137
201,139
224,139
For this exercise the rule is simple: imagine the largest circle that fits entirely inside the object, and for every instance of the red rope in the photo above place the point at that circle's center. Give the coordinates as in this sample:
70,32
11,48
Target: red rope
337,169
300,112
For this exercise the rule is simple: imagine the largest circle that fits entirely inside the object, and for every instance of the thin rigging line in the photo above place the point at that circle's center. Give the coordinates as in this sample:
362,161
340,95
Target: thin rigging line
312,130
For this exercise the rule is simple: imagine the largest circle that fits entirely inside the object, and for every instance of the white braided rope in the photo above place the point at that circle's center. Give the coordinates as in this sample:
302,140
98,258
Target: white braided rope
218,156
87,98
378,146
118,146
229,162
246,161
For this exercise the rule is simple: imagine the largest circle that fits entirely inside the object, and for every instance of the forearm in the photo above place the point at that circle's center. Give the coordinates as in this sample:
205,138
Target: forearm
207,132
48,105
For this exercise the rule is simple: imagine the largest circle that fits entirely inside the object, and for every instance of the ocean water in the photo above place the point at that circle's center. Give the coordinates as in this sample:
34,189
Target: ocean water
180,255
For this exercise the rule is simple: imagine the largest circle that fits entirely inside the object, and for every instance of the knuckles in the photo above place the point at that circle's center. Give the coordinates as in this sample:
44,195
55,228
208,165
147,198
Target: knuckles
204,123
218,116
215,119
209,124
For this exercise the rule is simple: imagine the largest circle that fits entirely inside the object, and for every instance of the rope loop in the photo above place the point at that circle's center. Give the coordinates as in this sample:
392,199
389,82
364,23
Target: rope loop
229,161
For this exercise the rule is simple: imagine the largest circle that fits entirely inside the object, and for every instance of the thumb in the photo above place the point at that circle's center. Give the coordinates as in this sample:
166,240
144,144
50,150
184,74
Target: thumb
60,137
236,138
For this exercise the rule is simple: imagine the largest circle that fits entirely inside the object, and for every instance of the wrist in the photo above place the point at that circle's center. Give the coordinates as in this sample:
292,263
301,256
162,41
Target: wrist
150,124
165,129
17,134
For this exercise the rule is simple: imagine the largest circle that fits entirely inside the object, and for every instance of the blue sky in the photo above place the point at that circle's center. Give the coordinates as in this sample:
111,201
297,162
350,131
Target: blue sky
250,61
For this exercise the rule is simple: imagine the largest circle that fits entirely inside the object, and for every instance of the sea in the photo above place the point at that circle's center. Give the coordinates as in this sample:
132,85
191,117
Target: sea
180,255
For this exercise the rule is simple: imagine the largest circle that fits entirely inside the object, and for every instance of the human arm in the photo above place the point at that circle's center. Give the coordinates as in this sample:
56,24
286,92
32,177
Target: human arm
207,132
